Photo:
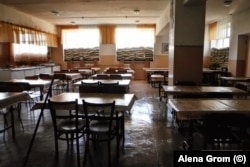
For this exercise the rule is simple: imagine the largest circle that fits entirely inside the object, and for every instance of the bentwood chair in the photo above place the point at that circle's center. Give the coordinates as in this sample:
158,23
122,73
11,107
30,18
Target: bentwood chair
225,130
115,76
68,125
62,86
101,125
101,76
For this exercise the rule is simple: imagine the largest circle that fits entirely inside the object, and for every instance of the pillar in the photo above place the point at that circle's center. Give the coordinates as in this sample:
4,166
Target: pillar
186,40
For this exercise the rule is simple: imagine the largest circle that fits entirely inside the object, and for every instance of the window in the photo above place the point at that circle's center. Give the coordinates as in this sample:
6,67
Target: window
29,46
129,37
220,43
29,53
81,44
223,30
135,43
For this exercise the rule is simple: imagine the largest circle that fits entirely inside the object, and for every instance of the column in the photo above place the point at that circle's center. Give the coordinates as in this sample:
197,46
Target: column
186,40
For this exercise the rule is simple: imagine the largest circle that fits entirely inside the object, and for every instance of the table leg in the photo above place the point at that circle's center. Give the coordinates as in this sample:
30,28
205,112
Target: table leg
12,121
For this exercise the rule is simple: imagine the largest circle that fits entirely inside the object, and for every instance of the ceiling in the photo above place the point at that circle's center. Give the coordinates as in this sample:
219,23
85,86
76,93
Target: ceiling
81,12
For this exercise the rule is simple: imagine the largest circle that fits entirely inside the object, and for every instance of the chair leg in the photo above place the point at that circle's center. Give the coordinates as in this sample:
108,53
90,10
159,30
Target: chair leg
109,153
5,126
78,149
56,147
86,152
19,107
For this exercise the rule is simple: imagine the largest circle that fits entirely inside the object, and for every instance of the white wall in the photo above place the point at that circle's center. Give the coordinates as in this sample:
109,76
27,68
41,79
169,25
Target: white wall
240,26
13,16
158,44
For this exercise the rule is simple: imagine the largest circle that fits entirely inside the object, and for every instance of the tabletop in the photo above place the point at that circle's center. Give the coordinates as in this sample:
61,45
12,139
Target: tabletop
235,78
197,108
202,90
33,82
9,98
123,102
156,69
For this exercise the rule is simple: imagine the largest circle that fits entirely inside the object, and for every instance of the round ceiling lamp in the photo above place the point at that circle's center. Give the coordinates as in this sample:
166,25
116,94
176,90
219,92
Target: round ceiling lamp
227,2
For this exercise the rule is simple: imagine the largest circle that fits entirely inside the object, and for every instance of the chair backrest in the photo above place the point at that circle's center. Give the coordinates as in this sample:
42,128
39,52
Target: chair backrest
102,76
107,84
115,76
45,76
99,111
89,89
96,83
73,71
32,77
119,89
60,76
62,111
14,86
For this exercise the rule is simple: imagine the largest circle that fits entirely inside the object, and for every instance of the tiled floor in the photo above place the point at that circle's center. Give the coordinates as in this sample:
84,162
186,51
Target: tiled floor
150,138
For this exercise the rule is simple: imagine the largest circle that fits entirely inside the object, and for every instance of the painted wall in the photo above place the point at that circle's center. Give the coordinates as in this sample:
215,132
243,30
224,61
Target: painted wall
240,26
247,70
11,15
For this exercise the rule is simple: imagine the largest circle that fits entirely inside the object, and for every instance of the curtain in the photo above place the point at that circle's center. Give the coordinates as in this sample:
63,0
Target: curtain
223,28
22,35
212,31
82,37
107,34
6,32
28,53
135,36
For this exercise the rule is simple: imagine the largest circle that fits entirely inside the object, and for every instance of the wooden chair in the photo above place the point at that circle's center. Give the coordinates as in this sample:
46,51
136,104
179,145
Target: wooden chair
32,77
102,76
67,125
89,89
115,76
45,76
108,84
101,125
225,130
62,86
96,83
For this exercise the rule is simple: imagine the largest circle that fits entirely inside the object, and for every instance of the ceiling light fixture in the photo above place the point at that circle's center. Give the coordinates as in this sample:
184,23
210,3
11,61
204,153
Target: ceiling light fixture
136,11
56,13
227,3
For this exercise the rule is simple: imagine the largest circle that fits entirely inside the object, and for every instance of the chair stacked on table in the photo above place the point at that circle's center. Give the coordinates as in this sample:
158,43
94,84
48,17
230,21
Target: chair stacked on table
100,87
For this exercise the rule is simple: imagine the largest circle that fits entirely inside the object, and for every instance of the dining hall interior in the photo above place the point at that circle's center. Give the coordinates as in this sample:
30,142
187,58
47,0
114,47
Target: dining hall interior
122,83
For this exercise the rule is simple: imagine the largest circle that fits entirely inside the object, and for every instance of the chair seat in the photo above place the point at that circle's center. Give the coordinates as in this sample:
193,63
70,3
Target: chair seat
69,125
100,126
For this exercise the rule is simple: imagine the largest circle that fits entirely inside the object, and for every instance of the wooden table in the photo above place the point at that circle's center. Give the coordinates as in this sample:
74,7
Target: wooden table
193,109
233,80
151,71
211,76
40,83
8,99
124,102
243,85
204,90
